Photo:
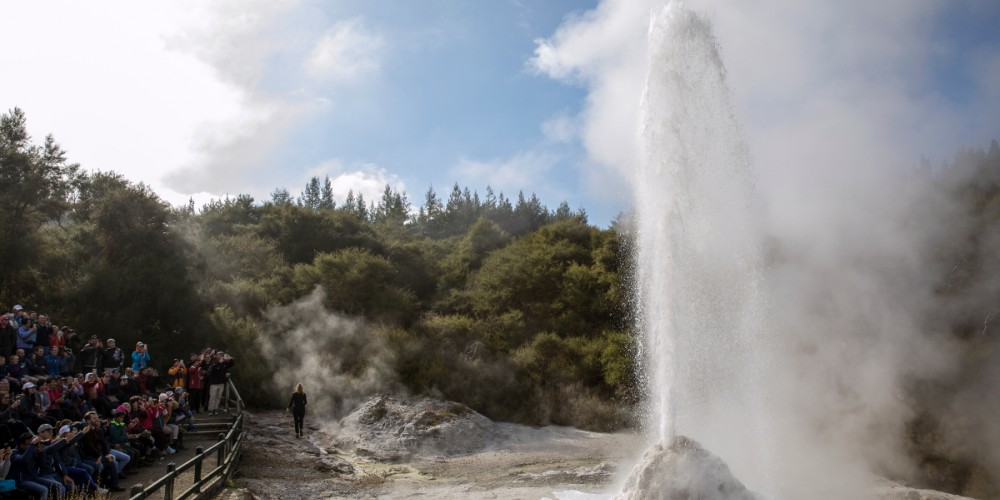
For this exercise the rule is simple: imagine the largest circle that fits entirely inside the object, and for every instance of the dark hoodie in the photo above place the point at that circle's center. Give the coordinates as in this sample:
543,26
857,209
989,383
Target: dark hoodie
23,464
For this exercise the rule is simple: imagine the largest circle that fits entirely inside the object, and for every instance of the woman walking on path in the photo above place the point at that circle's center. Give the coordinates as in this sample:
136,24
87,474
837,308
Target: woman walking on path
298,407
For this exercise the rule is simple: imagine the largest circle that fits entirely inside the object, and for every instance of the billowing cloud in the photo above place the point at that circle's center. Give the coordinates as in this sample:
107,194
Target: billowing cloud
236,38
105,84
191,98
231,154
346,53
235,153
603,49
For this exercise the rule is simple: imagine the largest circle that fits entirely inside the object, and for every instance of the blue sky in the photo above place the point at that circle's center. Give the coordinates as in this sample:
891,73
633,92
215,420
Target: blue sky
205,99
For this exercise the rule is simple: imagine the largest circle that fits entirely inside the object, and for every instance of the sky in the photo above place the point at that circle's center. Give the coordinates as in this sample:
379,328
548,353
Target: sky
207,99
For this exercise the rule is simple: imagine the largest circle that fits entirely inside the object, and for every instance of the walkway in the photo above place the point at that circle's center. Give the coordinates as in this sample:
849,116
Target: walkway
209,431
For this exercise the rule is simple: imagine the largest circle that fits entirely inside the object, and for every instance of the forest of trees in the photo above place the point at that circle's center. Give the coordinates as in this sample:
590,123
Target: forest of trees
512,308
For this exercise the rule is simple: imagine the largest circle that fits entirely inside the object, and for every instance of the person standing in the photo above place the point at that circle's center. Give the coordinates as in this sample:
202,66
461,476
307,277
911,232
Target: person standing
298,408
42,337
113,357
8,336
178,373
91,355
196,383
26,335
140,357
218,372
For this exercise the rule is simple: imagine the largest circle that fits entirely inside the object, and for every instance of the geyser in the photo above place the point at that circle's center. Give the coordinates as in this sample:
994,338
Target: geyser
697,266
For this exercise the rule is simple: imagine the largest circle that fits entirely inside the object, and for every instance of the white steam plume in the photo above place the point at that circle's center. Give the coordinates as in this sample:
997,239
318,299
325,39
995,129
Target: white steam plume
338,360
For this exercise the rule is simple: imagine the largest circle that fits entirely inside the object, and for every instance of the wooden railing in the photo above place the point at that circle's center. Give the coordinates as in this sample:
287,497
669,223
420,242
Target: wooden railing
226,454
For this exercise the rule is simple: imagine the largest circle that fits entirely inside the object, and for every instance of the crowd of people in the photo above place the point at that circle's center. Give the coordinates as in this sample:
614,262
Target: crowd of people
79,417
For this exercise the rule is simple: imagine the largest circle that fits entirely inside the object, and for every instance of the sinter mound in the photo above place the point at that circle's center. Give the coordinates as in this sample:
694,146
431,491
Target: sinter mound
392,429
684,470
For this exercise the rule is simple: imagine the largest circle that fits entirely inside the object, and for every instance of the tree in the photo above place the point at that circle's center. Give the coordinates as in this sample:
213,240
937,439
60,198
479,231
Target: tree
137,283
350,202
357,282
35,187
361,209
230,215
429,217
528,215
326,198
311,197
393,208
563,212
301,233
281,196
549,277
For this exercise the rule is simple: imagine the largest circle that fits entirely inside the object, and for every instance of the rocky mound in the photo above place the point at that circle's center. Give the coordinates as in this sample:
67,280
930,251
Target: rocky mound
684,470
392,429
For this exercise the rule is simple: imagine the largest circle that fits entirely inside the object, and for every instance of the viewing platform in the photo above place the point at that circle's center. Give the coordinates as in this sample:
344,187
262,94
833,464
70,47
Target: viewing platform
207,460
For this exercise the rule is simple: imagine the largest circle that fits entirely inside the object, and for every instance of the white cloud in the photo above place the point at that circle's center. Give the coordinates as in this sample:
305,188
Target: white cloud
560,128
368,180
603,49
523,170
235,37
346,53
231,154
183,96
104,83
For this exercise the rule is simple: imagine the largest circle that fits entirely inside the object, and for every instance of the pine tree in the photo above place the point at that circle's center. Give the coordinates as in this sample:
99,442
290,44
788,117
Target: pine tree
563,212
311,197
326,199
281,197
349,203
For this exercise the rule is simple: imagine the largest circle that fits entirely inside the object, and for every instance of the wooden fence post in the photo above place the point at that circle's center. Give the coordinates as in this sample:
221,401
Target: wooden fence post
199,454
168,490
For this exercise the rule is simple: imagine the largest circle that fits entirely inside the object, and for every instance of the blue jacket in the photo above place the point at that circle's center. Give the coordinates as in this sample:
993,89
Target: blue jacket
25,339
139,360
55,365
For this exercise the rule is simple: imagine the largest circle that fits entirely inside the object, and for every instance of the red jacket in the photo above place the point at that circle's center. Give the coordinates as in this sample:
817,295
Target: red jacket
196,377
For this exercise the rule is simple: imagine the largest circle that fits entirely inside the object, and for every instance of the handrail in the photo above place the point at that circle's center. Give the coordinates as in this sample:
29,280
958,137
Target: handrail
227,452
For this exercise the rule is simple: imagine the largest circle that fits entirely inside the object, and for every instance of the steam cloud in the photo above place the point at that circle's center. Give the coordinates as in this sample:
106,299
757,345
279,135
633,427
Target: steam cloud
337,359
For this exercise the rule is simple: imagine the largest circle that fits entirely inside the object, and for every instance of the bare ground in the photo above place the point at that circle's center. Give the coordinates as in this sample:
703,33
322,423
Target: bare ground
529,463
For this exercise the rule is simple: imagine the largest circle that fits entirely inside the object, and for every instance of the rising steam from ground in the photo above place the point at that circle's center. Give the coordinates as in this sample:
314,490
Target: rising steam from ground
338,360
